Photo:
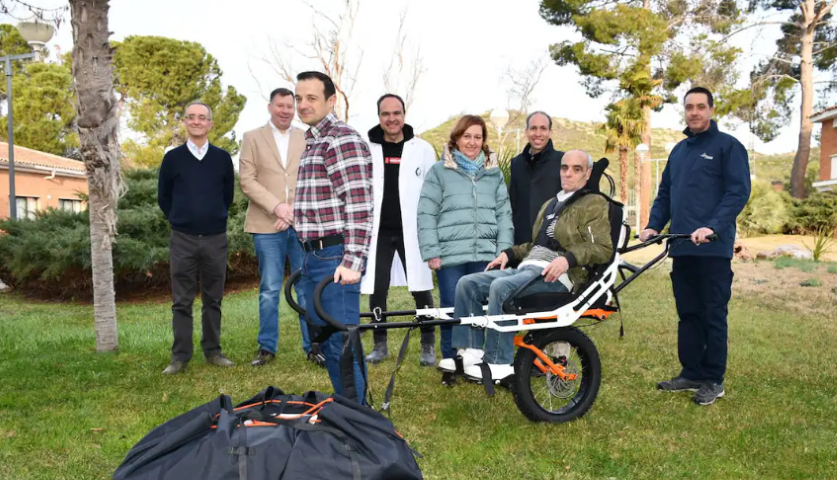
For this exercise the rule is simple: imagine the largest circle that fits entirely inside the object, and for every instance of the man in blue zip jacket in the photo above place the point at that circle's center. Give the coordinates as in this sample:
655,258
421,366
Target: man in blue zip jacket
705,185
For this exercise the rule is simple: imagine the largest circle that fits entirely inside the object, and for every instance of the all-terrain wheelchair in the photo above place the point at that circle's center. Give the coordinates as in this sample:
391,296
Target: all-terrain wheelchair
557,370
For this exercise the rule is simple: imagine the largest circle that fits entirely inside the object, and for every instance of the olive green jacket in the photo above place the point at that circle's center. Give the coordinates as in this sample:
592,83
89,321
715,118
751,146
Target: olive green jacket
583,230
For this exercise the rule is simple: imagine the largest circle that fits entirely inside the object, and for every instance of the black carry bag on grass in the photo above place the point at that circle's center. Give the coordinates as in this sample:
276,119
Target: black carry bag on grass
273,436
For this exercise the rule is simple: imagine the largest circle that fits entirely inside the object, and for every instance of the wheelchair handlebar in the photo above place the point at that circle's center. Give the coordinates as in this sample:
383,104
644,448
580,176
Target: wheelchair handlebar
290,282
318,305
676,236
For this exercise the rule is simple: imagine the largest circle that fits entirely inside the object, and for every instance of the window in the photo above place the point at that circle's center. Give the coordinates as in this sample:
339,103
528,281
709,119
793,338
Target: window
834,167
26,207
69,205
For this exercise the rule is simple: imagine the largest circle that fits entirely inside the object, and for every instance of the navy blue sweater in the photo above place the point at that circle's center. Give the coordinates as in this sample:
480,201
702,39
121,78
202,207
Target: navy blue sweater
706,183
195,195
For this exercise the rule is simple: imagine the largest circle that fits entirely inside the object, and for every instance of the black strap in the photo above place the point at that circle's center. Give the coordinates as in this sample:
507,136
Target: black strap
401,354
487,381
619,309
349,451
240,448
351,341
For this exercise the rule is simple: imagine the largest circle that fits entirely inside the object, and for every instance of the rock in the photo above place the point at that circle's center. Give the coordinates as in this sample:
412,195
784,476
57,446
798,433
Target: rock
792,251
3,286
741,252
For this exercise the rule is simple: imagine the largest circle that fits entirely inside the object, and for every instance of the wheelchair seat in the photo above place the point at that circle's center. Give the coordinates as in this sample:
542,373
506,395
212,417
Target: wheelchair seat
619,234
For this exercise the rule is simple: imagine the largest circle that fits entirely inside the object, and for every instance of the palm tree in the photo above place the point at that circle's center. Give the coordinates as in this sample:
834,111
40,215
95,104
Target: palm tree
624,127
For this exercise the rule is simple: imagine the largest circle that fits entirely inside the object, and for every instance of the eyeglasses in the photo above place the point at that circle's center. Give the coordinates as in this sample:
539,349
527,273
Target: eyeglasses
202,118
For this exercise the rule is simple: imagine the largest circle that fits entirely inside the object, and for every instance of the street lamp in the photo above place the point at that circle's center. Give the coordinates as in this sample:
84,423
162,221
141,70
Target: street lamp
36,35
641,150
10,121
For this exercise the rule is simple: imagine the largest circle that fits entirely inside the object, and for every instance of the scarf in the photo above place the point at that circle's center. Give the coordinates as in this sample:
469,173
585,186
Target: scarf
470,167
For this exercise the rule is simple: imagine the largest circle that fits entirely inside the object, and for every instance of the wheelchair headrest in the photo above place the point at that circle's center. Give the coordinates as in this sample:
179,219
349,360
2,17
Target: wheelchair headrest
599,168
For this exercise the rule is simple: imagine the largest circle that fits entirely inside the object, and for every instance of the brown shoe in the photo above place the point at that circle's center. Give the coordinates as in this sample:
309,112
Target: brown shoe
262,358
175,367
219,360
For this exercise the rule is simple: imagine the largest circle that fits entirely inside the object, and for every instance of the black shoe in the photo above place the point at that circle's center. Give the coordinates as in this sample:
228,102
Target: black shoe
263,357
679,384
220,360
428,355
379,353
315,355
175,367
709,392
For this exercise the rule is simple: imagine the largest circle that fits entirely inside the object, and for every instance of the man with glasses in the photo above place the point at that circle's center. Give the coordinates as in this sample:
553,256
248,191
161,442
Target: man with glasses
195,191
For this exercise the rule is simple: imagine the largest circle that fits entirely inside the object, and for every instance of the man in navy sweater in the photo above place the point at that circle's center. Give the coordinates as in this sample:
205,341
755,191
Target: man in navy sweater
195,191
705,185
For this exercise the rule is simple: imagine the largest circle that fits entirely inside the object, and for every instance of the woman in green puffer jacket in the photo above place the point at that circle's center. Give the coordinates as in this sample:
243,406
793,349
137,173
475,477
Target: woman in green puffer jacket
464,213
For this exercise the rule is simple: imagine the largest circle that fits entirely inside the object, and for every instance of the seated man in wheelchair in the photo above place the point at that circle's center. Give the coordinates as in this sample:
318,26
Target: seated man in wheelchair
570,232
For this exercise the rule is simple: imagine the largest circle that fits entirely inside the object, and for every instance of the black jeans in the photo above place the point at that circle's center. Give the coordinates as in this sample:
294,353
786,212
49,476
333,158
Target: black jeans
192,257
388,244
702,290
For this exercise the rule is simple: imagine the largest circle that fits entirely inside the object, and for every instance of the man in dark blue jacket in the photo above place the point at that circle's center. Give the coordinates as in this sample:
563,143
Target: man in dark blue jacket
705,185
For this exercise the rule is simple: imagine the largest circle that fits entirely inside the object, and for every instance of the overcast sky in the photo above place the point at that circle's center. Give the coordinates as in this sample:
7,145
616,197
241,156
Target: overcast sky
466,45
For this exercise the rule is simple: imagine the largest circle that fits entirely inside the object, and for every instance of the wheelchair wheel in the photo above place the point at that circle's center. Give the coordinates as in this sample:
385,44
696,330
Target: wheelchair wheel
545,397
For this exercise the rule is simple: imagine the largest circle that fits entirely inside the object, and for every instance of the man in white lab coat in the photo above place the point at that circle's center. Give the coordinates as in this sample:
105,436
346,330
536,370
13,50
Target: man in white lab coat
400,162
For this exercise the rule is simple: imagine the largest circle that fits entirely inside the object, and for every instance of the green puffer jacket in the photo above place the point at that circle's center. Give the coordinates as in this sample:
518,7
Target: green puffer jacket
583,230
463,219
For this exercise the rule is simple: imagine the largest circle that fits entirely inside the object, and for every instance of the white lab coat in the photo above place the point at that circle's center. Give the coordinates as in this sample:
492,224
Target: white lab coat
416,159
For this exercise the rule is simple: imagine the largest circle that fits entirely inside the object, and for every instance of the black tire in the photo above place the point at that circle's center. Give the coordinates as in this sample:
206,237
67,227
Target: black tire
579,394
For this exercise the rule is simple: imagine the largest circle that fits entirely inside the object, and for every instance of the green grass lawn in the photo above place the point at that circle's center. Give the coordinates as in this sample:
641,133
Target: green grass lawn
67,412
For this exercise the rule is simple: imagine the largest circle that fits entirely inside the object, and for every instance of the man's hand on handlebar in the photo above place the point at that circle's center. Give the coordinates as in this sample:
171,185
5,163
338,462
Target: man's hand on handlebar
647,233
346,276
699,235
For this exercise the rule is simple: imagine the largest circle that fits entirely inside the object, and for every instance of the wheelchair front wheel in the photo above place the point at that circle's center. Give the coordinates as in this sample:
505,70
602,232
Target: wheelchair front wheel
545,397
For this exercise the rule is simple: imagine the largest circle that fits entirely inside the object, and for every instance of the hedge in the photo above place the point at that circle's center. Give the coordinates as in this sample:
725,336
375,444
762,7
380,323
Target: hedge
49,256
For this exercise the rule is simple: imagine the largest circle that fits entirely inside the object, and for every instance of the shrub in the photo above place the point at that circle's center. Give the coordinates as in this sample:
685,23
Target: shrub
817,211
767,211
50,255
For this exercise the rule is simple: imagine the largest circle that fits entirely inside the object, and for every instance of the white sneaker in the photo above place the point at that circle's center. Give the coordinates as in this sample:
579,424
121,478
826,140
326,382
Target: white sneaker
498,371
470,356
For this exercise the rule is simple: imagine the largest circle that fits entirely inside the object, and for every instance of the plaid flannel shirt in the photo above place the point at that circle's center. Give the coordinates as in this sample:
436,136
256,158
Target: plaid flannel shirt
334,189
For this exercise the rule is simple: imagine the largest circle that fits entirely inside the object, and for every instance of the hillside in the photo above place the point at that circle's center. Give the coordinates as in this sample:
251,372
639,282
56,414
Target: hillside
568,134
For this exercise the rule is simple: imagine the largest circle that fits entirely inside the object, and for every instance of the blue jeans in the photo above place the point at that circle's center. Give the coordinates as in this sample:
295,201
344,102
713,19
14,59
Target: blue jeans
447,277
342,302
271,249
495,286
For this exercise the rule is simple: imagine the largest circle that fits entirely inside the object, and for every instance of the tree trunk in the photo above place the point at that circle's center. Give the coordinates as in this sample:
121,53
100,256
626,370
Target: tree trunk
806,80
623,175
98,118
645,175
637,192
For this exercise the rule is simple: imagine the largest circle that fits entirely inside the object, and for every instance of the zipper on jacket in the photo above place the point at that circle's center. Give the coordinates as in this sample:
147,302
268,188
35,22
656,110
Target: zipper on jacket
476,214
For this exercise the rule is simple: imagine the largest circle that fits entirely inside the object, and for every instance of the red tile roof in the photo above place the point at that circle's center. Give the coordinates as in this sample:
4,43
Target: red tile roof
829,109
27,156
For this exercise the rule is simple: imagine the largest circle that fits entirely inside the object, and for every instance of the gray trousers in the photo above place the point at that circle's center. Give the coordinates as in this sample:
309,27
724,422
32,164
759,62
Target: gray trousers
193,257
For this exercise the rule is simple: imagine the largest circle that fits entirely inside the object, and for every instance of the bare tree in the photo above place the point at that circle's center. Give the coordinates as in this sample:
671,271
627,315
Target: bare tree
521,84
98,121
403,74
331,50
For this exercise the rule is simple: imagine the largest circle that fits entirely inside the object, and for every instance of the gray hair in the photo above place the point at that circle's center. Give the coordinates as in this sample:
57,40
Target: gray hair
208,109
585,152
548,118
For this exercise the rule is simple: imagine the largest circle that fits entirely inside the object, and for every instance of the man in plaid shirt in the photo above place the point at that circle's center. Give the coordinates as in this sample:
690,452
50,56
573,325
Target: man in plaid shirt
332,216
